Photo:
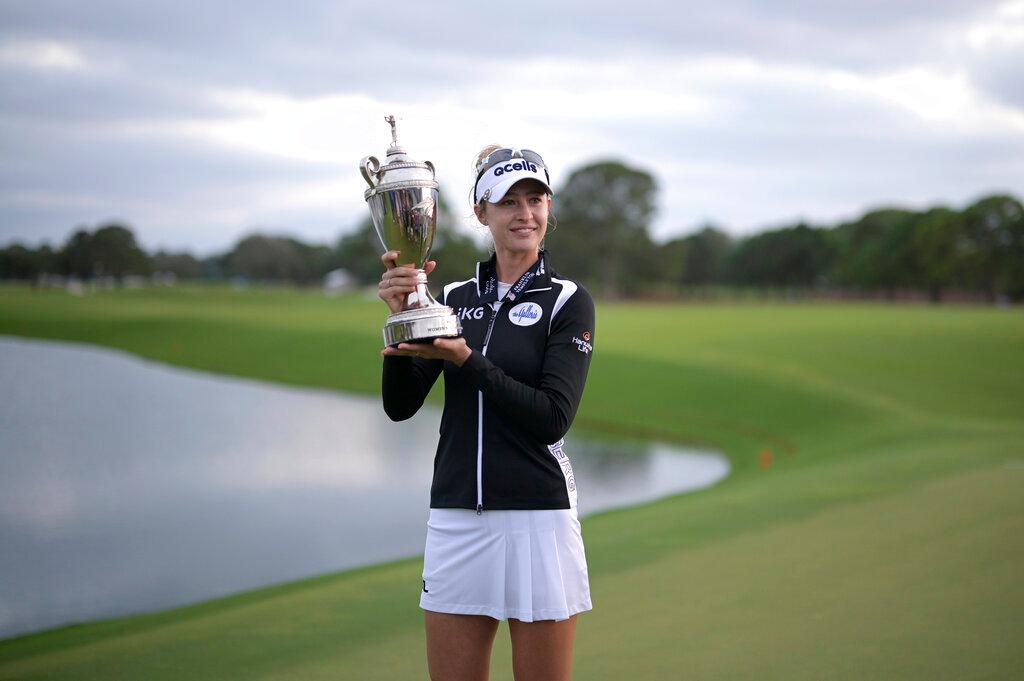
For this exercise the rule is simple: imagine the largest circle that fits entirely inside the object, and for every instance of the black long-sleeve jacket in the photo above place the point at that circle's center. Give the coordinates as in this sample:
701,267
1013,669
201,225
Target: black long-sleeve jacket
507,408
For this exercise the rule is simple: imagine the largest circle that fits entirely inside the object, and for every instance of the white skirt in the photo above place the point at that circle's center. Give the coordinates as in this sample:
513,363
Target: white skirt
524,565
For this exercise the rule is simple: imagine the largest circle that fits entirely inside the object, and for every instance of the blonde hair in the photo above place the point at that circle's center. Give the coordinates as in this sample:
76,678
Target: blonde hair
480,156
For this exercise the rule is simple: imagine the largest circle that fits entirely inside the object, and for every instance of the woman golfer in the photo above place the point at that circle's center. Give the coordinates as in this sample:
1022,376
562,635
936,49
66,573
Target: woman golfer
503,537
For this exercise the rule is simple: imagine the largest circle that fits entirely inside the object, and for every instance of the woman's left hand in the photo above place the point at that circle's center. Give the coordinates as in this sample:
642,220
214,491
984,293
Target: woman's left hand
454,350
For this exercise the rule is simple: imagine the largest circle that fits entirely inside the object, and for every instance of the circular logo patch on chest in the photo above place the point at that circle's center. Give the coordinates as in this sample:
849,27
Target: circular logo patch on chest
525,314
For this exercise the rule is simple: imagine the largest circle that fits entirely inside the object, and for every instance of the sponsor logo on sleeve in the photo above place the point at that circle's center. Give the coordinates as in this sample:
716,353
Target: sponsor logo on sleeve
525,314
583,344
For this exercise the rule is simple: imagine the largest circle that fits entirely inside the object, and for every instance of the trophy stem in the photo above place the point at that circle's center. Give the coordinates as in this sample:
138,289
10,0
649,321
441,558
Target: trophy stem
421,296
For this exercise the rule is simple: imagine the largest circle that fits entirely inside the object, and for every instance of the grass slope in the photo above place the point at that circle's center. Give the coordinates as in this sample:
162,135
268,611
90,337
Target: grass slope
883,542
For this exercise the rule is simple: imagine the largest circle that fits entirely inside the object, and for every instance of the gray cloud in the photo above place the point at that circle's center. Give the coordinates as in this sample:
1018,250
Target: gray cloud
772,151
54,179
121,166
999,73
69,97
314,47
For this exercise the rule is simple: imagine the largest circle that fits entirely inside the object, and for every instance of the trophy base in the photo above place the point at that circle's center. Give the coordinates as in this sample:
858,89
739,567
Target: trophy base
421,325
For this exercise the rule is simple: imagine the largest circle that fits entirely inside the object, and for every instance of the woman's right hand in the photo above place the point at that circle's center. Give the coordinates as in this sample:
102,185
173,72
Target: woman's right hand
398,281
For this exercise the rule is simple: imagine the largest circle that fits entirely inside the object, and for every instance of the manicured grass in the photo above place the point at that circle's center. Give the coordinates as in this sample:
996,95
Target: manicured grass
873,527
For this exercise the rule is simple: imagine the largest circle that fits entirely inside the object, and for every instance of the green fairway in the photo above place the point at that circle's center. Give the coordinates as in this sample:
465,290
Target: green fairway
873,526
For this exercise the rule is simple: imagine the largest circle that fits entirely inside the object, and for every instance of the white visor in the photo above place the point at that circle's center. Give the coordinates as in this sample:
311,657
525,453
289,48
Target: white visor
497,180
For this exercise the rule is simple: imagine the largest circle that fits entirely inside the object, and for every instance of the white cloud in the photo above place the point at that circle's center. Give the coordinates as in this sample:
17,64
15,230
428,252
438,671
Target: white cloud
313,129
932,96
43,55
1003,28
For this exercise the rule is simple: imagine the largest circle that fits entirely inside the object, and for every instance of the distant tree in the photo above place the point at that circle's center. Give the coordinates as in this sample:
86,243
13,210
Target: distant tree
876,251
183,265
19,262
935,248
48,260
359,251
672,261
27,264
640,267
992,245
704,256
316,261
260,257
603,212
77,257
116,253
792,256
215,267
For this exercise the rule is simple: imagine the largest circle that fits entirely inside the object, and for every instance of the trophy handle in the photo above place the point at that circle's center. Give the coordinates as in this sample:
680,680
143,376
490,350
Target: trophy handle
433,173
369,167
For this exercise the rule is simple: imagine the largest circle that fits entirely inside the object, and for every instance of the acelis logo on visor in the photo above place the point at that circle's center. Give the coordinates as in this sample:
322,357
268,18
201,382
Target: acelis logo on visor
503,168
509,167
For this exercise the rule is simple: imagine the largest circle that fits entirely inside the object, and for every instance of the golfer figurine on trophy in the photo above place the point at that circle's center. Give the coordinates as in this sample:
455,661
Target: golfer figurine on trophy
403,204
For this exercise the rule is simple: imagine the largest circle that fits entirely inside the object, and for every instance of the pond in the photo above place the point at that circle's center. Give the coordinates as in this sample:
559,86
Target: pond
129,486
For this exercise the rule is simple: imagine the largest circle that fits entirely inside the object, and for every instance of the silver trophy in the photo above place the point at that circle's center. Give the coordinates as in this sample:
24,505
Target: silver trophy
403,203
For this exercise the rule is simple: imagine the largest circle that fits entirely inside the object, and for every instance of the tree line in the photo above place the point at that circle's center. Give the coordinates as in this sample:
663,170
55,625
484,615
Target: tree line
602,237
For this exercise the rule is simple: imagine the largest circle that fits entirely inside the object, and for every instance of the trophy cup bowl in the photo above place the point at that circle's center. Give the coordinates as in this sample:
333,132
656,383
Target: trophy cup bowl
403,205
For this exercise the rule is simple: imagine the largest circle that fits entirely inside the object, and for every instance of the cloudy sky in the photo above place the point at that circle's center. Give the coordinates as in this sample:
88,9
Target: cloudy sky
197,122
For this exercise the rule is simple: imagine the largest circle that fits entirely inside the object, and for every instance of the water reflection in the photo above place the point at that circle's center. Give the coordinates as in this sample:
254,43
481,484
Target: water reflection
127,485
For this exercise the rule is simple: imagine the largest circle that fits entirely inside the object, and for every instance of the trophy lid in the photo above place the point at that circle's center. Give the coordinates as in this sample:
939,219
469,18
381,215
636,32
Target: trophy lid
399,172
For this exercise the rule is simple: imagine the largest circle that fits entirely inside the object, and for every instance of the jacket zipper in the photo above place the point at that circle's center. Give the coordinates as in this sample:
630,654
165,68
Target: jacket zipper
480,421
